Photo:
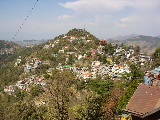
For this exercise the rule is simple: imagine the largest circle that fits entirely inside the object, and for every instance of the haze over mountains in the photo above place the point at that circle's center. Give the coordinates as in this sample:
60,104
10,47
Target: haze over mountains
30,42
125,37
147,44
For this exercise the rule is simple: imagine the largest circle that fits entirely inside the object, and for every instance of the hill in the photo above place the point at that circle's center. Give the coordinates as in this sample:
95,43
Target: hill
73,76
6,50
147,44
124,37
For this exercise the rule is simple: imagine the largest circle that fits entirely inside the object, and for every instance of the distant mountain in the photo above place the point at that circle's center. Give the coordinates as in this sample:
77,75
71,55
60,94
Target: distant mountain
147,44
124,37
30,42
158,36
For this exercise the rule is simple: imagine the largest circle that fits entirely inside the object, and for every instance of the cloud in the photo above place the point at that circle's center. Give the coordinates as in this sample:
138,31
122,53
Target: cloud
143,18
103,18
95,6
109,6
64,17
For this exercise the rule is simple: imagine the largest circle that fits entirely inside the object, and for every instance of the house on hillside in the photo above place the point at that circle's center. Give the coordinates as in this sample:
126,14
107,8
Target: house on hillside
21,84
64,47
145,103
86,75
152,77
100,49
46,47
61,51
96,63
70,37
93,51
9,89
102,41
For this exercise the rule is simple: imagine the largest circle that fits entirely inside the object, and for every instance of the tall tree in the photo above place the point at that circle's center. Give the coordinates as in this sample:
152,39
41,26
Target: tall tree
136,71
59,95
90,109
156,58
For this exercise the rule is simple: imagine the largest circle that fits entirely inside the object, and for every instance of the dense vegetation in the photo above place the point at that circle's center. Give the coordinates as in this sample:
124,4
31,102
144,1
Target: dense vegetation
156,58
6,51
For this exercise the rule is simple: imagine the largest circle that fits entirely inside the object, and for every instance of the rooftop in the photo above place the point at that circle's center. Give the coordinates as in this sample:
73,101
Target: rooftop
145,101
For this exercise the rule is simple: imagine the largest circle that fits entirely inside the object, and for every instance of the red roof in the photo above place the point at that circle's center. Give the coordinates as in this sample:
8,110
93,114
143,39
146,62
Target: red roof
87,74
87,56
102,41
145,101
93,51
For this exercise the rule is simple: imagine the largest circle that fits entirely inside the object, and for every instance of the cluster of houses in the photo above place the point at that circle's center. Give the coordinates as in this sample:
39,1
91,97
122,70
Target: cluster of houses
7,51
31,65
97,69
87,69
129,55
25,84
152,77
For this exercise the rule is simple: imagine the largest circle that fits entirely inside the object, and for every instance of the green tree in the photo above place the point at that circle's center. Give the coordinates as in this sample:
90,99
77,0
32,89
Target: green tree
101,86
24,111
90,109
36,90
59,95
20,94
109,49
137,77
156,58
136,71
70,60
124,99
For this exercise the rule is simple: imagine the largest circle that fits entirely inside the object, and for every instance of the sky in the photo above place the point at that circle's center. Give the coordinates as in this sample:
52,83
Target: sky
46,19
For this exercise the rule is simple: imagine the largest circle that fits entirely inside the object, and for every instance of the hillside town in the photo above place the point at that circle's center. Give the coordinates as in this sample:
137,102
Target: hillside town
95,60
97,68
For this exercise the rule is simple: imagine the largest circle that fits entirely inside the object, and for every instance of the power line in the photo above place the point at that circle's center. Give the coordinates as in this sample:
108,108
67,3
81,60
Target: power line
25,19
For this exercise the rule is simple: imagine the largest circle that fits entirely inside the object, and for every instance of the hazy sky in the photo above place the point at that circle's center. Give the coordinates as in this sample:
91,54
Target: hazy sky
102,18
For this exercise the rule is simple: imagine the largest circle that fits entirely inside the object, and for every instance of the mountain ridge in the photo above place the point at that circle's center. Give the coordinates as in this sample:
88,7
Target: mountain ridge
147,44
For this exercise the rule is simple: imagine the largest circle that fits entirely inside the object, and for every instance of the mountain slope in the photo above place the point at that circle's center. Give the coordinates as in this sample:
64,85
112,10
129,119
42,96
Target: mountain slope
6,50
147,44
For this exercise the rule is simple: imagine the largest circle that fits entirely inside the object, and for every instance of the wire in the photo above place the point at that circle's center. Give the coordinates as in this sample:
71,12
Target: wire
25,19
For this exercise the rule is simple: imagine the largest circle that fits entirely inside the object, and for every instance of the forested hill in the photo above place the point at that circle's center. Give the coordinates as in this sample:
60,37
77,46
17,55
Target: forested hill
76,40
7,45
6,50
147,44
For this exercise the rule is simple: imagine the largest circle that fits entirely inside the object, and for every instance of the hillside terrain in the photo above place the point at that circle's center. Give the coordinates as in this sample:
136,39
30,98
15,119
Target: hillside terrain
74,76
7,50
119,38
147,44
